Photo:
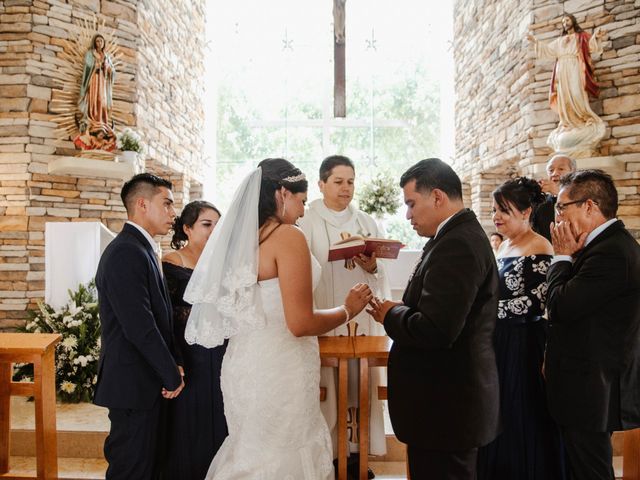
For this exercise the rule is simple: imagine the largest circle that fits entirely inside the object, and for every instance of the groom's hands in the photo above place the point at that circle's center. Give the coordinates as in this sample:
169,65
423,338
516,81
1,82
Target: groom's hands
170,394
379,308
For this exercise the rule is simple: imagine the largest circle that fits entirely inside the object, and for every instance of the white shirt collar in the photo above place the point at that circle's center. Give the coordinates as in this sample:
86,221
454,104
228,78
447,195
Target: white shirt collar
598,230
443,224
152,242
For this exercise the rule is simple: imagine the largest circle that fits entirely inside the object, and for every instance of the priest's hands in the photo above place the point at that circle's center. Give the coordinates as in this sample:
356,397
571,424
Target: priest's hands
368,264
357,298
378,308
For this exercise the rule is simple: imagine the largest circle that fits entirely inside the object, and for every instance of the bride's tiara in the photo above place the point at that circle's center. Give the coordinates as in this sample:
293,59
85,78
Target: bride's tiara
294,178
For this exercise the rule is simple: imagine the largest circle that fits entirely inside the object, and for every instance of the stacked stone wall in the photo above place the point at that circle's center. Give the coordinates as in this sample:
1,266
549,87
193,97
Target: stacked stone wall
164,106
503,117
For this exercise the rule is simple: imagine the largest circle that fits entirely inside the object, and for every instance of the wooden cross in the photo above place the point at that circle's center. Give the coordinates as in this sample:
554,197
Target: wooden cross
339,68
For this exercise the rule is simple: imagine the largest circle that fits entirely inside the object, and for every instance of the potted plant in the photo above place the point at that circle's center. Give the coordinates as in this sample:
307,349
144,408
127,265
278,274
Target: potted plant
130,143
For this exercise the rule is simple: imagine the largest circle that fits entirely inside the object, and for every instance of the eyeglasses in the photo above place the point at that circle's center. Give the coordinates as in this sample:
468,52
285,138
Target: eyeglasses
561,207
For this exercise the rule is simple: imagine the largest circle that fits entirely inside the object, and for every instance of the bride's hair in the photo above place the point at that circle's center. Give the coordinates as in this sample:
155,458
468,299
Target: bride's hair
275,171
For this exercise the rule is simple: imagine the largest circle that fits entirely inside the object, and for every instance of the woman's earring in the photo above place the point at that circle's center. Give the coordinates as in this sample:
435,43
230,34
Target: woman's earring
284,208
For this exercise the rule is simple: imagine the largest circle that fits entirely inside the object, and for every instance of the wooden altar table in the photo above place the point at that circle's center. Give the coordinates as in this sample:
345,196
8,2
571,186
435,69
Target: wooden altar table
371,351
631,455
38,349
336,352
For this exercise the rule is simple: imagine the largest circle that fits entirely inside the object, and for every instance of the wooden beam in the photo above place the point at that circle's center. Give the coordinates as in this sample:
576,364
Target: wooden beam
339,81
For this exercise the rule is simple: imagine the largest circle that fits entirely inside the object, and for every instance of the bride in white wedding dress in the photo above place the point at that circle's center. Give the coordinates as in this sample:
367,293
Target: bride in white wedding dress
253,285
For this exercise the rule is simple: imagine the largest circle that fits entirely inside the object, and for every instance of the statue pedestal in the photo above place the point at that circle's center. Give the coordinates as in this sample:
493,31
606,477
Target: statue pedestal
90,167
609,164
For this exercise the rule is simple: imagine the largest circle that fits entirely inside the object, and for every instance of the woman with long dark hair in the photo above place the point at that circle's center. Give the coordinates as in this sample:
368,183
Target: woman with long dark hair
196,417
254,286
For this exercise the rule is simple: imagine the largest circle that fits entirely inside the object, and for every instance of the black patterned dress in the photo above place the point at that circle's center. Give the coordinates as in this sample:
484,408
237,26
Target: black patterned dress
529,447
196,417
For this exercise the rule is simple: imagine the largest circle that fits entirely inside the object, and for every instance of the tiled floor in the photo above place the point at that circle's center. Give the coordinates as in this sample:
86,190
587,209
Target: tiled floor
88,423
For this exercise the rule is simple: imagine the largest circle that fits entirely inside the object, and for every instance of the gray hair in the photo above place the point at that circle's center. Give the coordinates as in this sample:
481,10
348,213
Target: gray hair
572,162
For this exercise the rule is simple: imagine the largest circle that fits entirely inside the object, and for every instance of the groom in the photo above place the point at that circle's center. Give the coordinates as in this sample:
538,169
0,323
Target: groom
443,381
137,367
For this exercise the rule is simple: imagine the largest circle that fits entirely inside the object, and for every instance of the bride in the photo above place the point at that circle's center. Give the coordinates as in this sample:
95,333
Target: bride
253,285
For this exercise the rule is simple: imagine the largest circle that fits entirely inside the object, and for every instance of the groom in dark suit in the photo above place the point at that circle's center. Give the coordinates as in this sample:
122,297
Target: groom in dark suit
443,380
593,352
138,359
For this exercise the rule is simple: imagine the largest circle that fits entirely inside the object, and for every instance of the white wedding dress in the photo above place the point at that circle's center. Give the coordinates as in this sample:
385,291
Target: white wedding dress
270,385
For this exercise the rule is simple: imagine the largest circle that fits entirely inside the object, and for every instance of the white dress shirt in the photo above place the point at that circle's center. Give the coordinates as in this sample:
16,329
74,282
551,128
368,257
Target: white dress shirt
154,245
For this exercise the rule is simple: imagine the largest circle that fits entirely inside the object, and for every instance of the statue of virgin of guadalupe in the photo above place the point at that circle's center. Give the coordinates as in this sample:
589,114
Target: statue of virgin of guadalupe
96,97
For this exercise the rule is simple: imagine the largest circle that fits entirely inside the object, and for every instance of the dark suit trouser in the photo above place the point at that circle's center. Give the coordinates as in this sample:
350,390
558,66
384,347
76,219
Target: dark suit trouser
589,454
136,443
432,465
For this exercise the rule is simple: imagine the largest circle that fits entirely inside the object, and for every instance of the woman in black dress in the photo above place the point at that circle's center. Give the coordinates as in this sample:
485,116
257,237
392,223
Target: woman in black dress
529,447
197,426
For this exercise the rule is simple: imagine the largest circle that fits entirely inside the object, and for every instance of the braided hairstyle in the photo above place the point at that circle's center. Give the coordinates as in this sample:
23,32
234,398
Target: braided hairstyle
521,192
188,217
274,171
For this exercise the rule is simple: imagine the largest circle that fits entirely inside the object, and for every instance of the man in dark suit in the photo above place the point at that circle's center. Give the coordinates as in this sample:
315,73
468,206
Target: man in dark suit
543,214
592,362
443,380
137,359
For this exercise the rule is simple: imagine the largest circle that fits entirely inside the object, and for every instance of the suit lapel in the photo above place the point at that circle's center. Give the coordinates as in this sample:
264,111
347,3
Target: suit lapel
131,230
462,216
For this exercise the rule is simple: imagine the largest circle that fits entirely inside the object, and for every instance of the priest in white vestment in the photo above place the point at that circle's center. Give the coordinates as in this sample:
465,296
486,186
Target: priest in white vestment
326,222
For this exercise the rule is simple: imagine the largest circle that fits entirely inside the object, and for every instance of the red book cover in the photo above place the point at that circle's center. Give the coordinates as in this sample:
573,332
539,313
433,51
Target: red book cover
356,245
342,252
383,248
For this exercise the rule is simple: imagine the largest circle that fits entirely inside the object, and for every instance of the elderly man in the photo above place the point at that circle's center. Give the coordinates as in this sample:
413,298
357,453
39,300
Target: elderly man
443,379
593,300
557,166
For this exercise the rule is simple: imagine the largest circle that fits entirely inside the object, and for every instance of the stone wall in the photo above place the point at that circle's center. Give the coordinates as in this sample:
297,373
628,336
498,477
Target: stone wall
163,47
502,112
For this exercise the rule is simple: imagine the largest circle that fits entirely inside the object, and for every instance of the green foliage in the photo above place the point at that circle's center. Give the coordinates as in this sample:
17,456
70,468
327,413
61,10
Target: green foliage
129,140
77,354
413,99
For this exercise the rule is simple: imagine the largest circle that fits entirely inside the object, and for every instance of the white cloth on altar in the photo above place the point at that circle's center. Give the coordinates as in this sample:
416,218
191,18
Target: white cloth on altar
322,228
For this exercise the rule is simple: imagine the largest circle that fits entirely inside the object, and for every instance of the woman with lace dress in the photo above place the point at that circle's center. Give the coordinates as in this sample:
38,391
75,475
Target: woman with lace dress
197,426
529,447
253,285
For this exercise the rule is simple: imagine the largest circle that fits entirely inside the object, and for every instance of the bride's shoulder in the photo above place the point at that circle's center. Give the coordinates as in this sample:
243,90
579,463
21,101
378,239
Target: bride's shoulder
289,233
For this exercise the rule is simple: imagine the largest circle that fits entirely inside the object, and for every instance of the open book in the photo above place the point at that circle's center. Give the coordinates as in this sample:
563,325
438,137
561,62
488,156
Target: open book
355,245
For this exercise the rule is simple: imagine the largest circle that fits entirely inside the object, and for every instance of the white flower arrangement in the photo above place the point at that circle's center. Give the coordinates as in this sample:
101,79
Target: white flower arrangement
381,196
77,354
129,140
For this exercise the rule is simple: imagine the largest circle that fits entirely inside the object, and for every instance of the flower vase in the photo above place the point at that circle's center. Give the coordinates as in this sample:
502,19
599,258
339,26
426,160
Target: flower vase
129,156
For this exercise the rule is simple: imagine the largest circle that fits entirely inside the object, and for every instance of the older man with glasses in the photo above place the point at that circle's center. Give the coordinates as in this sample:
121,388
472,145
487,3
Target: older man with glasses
542,215
593,301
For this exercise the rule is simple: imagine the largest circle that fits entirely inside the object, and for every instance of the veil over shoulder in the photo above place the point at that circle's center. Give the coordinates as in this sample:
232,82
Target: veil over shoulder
223,288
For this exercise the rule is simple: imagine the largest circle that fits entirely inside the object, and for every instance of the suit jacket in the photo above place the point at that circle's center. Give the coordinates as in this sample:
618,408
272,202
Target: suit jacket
136,358
442,374
543,215
593,350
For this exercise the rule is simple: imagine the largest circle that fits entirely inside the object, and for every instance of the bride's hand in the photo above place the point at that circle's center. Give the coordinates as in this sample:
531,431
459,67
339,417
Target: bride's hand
357,298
